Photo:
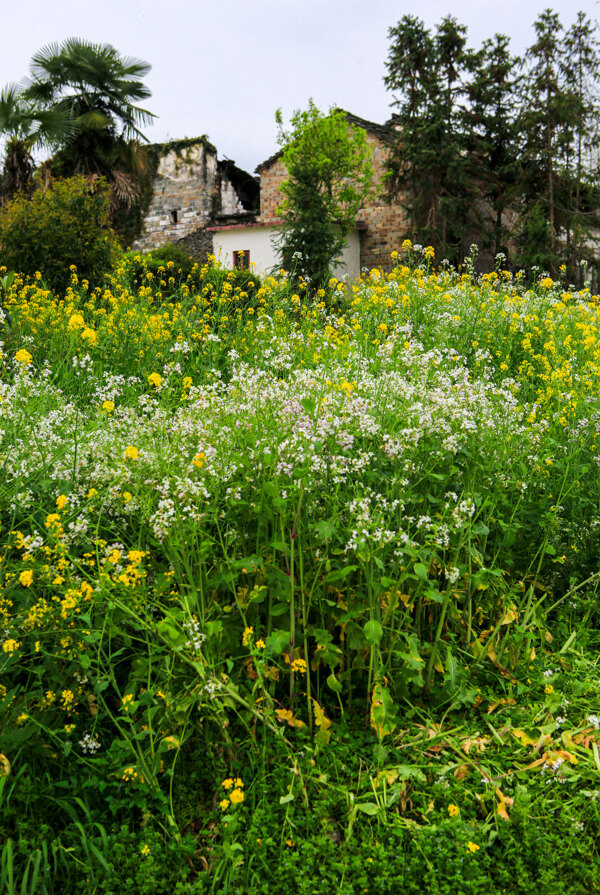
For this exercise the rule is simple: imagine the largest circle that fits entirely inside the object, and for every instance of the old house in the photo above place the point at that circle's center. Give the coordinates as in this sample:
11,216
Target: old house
205,204
380,228
191,190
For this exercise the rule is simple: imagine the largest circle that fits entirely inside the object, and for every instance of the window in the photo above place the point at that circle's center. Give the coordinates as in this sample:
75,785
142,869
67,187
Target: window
241,260
174,216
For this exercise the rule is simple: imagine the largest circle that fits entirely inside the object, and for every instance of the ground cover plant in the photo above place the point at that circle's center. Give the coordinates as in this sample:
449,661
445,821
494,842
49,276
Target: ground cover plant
299,589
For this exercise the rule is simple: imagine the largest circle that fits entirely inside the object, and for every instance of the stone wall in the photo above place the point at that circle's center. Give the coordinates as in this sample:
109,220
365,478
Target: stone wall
384,224
190,189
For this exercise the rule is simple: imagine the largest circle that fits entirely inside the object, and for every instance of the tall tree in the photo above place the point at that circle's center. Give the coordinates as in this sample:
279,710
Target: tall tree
580,69
26,128
544,117
490,123
100,91
329,176
427,75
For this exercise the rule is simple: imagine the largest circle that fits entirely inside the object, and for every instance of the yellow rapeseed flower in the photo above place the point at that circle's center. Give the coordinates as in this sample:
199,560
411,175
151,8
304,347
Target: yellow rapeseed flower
10,646
199,460
26,578
23,357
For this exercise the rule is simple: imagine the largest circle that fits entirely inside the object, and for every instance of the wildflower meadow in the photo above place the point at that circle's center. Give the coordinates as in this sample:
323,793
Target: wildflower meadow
299,592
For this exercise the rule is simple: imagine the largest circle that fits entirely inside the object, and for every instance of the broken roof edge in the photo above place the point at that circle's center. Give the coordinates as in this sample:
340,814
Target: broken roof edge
385,132
274,222
185,143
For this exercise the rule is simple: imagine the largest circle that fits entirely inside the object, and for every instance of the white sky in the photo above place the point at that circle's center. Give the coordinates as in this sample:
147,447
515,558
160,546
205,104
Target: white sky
222,67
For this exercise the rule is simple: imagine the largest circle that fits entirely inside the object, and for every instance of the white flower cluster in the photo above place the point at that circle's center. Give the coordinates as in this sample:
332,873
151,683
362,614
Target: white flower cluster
89,744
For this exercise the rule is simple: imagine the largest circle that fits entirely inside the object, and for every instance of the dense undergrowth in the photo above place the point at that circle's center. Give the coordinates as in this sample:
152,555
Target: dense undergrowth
299,590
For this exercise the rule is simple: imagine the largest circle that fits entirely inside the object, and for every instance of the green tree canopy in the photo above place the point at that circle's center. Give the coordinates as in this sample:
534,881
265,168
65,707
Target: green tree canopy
328,162
62,225
426,73
27,127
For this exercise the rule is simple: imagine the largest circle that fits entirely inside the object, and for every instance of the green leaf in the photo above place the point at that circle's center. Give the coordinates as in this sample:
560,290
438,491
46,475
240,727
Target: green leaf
369,808
324,529
421,571
339,574
373,632
480,529
334,684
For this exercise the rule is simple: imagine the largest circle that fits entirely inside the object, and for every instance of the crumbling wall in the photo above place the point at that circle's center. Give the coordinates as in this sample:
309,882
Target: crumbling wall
189,190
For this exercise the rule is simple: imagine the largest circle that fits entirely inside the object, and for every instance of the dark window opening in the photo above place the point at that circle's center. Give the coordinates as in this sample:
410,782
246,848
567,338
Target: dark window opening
241,260
174,216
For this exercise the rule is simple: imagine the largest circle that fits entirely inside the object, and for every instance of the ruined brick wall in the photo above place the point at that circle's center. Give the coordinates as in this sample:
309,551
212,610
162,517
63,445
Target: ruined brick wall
386,223
186,191
271,178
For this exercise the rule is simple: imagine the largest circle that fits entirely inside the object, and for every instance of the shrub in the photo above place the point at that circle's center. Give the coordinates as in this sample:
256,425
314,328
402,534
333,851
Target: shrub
66,224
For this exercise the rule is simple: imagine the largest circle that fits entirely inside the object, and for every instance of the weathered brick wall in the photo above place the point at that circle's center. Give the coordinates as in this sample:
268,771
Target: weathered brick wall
386,223
188,183
271,179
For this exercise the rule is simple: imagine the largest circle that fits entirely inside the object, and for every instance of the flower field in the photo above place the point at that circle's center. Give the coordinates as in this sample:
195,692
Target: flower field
291,579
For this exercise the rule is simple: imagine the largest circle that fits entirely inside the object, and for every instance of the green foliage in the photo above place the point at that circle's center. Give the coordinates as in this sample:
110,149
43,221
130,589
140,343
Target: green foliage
81,101
488,143
99,90
64,225
283,590
429,163
490,123
27,126
329,176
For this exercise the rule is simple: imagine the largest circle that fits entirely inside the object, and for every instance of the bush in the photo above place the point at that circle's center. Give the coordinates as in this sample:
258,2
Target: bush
64,225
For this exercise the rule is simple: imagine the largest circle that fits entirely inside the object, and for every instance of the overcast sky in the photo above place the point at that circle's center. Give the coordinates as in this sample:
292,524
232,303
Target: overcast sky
222,67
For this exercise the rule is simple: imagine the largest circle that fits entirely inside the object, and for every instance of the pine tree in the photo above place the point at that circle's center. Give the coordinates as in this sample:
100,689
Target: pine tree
490,122
429,161
580,68
543,120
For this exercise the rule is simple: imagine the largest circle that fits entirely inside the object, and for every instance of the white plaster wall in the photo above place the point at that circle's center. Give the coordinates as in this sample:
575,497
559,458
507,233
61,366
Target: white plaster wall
230,204
256,240
263,254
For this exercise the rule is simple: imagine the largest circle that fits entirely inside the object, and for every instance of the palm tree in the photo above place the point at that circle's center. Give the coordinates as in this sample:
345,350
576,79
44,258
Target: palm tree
100,92
98,89
27,127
